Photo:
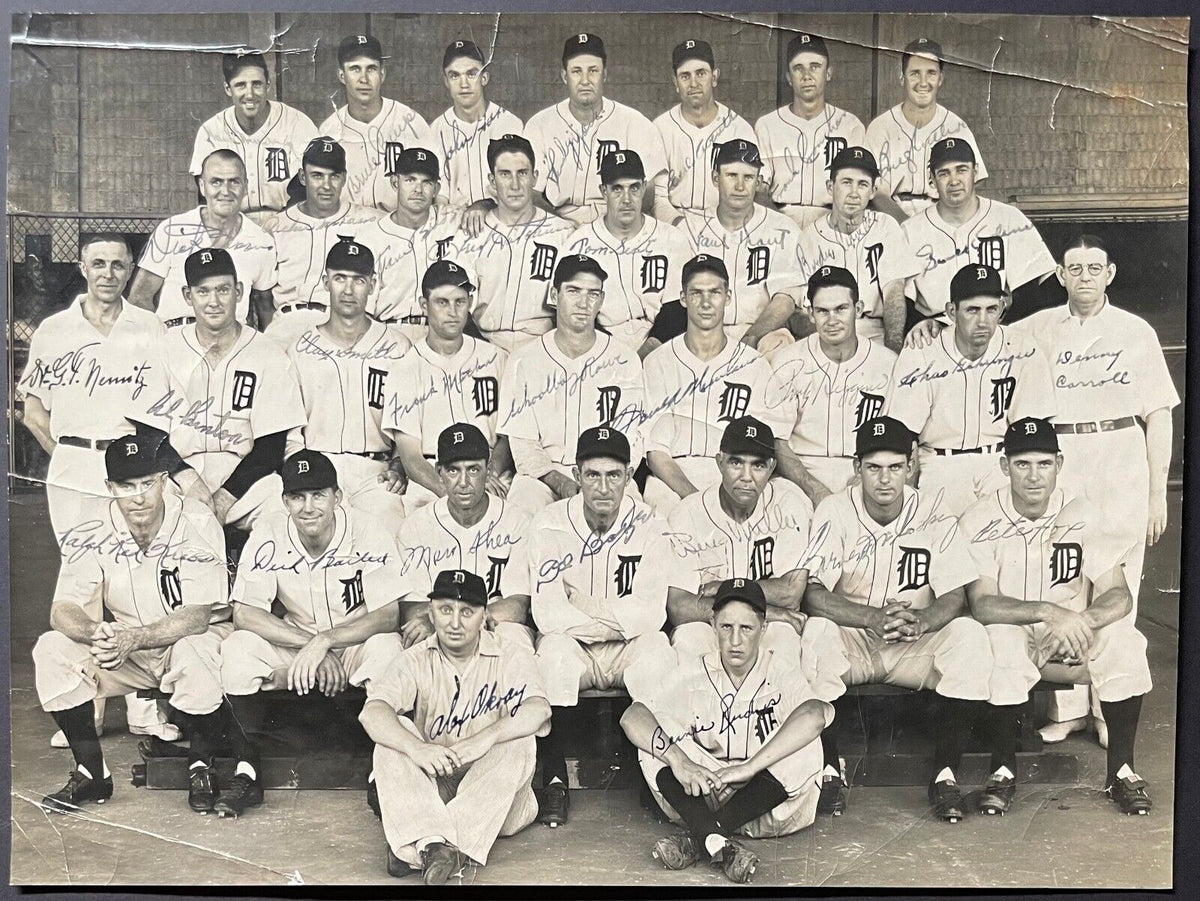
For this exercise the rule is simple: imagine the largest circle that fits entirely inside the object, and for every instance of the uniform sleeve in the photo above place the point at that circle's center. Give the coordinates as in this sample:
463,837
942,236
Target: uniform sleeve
974,528
775,403
256,584
303,131
383,584
952,566
785,272
397,687
81,582
201,148
36,380
1102,550
874,139
631,418
518,419
794,689
685,563
826,549
1026,256
898,262
155,257
405,391
911,399
534,132
646,610
762,137
551,608
1153,379
203,578
650,147
1033,395
519,671
791,538
279,406
515,579
856,134
267,276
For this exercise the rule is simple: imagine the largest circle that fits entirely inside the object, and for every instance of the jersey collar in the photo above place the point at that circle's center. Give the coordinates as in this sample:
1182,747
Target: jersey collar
751,685
173,510
187,334
993,349
489,645
575,517
907,518
826,364
1058,500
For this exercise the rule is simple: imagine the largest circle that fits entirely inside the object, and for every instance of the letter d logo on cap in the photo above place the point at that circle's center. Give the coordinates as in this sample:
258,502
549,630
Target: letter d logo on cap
130,449
689,45
980,274
583,39
949,143
1031,428
603,434
751,431
458,577
739,583
878,430
458,437
206,257
362,38
302,466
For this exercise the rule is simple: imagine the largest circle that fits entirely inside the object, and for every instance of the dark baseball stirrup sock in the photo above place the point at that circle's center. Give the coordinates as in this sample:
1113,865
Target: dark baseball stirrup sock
700,821
760,795
955,717
829,745
1004,729
552,749
79,726
203,731
1122,719
244,750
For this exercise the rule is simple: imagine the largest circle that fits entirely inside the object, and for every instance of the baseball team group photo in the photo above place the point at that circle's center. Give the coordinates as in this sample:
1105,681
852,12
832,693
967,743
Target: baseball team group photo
695,449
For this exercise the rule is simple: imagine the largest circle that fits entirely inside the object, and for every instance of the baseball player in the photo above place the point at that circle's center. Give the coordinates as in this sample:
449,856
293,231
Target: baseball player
268,135
963,228
890,568
692,129
353,353
571,378
155,564
870,244
304,234
515,250
800,140
336,574
959,394
218,222
592,569
902,137
573,137
837,381
462,133
1052,591
730,743
372,128
448,377
405,242
453,719
758,246
696,384
640,253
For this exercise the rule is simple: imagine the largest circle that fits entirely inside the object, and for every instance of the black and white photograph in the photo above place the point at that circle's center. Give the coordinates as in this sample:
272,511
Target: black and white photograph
709,450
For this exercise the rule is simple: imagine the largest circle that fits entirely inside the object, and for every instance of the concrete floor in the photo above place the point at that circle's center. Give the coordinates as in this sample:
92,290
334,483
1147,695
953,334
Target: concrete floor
1056,836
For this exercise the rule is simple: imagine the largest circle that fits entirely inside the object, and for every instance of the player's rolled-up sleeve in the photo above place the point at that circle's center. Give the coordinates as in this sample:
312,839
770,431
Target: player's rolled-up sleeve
404,397
520,671
785,274
256,584
974,525
980,168
397,687
1156,389
685,564
156,255
775,401
1034,393
266,276
279,406
898,262
762,137
1026,256
202,575
794,690
515,578
552,611
383,582
516,403
81,582
792,536
648,142
537,138
953,566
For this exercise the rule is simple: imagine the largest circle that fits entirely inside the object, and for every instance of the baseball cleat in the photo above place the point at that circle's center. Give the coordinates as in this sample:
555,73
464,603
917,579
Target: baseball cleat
947,800
738,863
1129,793
80,789
997,795
441,861
397,868
676,852
242,792
202,789
554,804
833,796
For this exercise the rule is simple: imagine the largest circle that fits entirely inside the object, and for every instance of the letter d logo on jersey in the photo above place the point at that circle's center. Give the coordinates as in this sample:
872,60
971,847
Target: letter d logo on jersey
541,262
171,588
626,572
1066,562
913,568
869,407
352,592
654,273
391,156
243,389
607,402
758,264
762,566
494,574
874,255
833,146
603,149
1002,395
486,395
735,400
991,253
375,382
277,164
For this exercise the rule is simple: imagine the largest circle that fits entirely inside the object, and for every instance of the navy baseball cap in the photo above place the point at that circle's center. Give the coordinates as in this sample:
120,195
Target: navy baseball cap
462,441
745,590
688,50
832,276
575,264
1030,435
703,262
748,435
308,470
354,46
509,144
347,255
950,150
581,45
134,457
602,441
207,263
854,158
459,585
445,272
737,151
457,49
922,47
806,43
325,152
619,164
883,433
976,280
416,161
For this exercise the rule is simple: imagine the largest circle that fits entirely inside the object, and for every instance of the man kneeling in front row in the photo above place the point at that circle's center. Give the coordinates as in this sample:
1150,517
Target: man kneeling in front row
731,742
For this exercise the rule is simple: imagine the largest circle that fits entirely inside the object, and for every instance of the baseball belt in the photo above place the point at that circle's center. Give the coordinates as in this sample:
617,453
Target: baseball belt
91,444
381,456
905,195
304,305
413,320
179,320
1090,428
955,451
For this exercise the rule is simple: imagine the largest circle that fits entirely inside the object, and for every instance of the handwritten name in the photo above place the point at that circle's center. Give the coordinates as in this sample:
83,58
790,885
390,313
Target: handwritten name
264,560
486,701
91,537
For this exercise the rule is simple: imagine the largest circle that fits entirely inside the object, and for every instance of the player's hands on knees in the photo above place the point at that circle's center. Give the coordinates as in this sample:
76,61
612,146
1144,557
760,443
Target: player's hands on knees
471,748
302,674
113,646
1156,523
416,629
695,779
735,776
435,760
331,676
923,333
394,478
1072,633
900,623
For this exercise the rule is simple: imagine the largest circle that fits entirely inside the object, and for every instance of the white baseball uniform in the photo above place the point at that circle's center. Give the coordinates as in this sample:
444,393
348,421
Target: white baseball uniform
178,237
902,151
796,154
691,152
643,272
462,147
917,557
371,145
569,153
961,409
998,235
272,155
1055,559
831,401
514,268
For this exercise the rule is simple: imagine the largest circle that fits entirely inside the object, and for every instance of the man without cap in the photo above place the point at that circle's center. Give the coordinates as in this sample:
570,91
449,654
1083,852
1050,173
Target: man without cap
417,233
1052,594
959,394
641,254
729,744
155,564
890,568
268,135
447,377
217,222
836,381
870,244
902,136
570,379
335,572
454,719
692,129
592,569
696,384
372,128
573,137
514,249
342,367
304,234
